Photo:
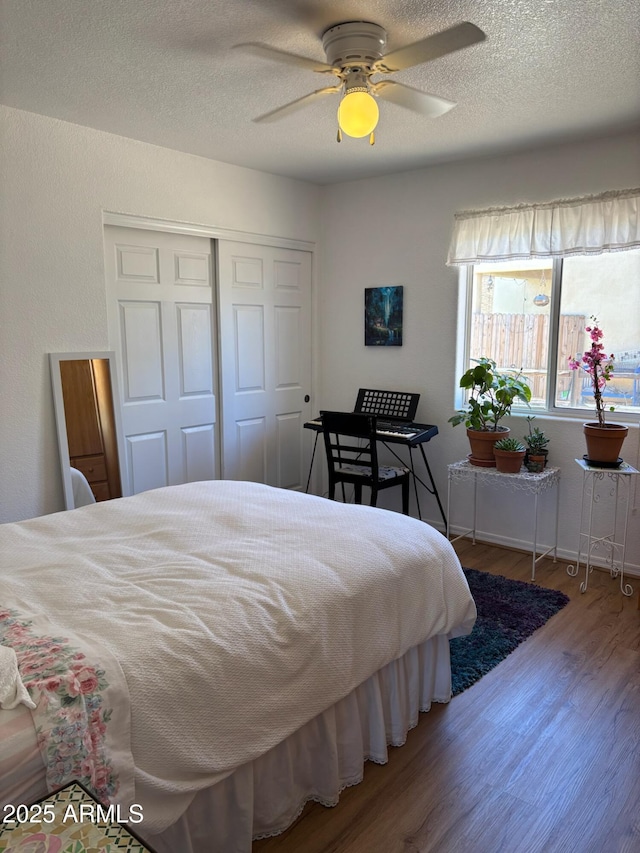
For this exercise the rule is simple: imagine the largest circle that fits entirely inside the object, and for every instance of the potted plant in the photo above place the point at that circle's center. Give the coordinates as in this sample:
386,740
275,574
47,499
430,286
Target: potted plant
492,393
509,453
535,459
604,441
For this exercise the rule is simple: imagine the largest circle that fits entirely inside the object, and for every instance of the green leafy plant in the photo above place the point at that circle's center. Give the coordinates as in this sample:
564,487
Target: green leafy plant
536,440
492,393
511,444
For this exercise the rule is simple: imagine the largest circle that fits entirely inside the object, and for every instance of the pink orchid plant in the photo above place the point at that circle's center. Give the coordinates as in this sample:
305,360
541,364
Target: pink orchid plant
598,365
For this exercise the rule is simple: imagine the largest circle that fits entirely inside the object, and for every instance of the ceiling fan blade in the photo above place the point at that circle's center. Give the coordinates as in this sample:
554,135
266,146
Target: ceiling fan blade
428,105
447,41
281,112
264,51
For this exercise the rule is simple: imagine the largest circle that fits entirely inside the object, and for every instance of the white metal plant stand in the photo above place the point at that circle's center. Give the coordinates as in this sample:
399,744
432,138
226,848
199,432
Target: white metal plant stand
524,481
614,484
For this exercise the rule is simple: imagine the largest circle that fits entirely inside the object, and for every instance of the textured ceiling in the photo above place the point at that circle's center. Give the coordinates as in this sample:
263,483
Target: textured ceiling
163,71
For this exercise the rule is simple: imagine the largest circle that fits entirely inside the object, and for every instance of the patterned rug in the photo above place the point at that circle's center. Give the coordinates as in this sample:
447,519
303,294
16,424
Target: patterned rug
69,821
508,612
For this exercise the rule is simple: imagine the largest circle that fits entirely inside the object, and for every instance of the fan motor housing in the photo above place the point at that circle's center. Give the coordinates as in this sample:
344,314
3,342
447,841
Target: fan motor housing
354,43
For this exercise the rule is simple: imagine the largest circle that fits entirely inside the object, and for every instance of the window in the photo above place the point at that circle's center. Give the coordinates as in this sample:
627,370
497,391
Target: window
532,314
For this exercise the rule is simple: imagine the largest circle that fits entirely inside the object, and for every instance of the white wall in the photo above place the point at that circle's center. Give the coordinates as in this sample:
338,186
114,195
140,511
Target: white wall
395,230
56,179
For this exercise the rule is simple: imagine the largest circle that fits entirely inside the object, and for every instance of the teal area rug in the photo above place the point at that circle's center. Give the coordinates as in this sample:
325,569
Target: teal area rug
508,612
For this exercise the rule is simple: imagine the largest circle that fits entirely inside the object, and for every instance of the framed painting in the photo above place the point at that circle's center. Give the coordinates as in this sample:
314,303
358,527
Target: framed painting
383,316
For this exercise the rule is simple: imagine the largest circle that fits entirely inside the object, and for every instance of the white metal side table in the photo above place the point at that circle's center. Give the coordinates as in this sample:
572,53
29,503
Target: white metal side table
524,481
615,485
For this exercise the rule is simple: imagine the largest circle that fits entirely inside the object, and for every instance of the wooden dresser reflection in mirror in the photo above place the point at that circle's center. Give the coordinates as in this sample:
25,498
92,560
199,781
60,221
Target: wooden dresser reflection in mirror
88,431
88,407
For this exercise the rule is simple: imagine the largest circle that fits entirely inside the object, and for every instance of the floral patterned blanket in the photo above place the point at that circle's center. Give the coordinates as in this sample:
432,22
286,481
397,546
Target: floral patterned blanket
82,708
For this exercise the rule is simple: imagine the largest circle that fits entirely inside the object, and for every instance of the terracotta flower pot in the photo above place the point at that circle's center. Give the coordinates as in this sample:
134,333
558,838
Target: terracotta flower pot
508,461
604,443
535,462
481,443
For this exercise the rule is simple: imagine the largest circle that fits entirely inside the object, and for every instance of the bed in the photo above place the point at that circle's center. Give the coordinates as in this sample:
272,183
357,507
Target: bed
189,646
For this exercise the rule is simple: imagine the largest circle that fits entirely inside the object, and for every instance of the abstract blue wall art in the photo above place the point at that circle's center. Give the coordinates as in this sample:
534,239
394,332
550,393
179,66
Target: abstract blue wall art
383,316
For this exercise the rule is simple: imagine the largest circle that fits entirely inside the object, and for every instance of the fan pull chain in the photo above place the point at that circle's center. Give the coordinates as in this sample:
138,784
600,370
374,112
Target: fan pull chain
372,139
339,136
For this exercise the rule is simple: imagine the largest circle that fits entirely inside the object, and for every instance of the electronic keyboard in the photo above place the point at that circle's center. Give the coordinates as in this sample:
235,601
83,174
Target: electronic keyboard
395,433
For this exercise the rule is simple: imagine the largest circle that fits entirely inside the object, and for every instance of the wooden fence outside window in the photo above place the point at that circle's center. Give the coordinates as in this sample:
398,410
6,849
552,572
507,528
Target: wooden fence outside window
521,341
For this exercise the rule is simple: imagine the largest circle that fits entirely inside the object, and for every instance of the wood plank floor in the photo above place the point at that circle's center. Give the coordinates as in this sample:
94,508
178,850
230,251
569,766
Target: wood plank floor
542,755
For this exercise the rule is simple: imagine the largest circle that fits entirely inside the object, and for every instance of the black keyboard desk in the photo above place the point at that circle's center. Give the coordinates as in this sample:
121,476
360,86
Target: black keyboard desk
411,435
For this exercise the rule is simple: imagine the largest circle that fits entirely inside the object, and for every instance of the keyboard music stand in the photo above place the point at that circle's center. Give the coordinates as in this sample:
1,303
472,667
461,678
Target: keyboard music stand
397,406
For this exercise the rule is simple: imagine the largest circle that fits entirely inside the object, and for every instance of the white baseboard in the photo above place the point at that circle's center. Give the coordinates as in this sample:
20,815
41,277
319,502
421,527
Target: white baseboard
631,569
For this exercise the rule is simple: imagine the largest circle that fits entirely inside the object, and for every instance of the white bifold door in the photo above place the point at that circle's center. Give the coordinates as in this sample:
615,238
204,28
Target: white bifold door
185,416
162,326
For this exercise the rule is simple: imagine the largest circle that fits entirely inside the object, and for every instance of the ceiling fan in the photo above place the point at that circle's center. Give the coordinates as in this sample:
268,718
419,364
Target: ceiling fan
355,53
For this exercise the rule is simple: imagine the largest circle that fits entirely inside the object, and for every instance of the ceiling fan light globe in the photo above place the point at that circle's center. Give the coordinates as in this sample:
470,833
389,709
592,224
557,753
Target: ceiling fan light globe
358,114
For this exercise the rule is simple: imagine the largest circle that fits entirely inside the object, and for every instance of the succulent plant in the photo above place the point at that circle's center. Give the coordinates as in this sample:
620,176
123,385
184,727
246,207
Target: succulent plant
511,444
536,440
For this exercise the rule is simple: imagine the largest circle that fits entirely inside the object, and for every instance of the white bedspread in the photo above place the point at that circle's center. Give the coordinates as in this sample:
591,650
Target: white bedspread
12,690
237,612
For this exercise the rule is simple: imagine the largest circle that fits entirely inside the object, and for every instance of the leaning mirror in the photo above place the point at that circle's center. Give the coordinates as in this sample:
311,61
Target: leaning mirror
85,395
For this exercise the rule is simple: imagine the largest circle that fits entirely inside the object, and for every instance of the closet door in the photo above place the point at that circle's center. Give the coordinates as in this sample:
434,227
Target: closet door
265,337
161,324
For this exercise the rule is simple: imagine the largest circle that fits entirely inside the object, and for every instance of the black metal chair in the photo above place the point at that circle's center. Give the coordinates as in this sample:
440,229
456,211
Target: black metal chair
352,457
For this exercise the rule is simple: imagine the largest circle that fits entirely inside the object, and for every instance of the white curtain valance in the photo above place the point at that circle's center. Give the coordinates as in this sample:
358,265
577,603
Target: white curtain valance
580,226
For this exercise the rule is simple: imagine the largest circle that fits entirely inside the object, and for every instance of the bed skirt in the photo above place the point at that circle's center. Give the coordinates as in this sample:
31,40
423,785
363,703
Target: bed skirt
264,797
317,762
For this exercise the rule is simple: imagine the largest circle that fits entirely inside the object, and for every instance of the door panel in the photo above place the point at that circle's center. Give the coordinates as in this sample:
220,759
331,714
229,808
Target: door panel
289,443
141,350
193,269
137,263
194,338
265,329
251,444
288,325
249,348
146,461
197,448
161,323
